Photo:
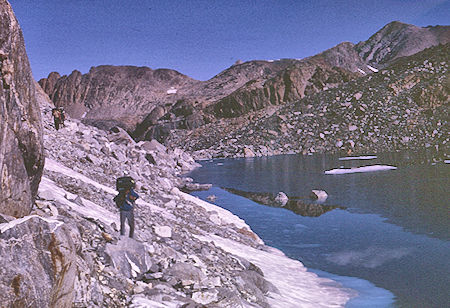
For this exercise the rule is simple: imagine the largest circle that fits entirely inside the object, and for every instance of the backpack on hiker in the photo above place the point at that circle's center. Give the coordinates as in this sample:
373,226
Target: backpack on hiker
123,184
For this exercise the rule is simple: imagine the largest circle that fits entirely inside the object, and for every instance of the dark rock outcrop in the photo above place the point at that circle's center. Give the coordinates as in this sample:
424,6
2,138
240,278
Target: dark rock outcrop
289,85
21,147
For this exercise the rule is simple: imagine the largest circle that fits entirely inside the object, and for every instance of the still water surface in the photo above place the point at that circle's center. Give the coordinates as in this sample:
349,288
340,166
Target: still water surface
391,229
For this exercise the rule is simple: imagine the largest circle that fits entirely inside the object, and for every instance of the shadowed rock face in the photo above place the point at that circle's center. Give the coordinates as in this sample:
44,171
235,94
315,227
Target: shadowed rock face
21,147
298,206
289,85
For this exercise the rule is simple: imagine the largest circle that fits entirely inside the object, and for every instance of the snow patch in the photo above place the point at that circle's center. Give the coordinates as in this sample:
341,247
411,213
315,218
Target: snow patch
297,286
224,215
16,222
361,71
172,90
357,157
90,210
373,69
361,169
52,165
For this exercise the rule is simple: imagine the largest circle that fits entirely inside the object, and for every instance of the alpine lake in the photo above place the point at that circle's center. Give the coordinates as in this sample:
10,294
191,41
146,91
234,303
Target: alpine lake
384,234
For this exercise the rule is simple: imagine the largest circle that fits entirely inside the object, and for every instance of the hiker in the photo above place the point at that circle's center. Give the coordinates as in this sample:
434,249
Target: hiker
62,115
56,113
125,200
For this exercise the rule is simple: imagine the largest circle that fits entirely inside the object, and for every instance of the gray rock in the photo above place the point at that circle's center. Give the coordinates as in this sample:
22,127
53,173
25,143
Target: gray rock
153,145
46,195
120,136
319,195
47,257
248,153
185,272
281,198
21,143
163,231
129,257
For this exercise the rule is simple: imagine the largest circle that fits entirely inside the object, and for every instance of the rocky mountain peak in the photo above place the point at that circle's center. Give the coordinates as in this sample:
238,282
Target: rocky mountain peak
398,39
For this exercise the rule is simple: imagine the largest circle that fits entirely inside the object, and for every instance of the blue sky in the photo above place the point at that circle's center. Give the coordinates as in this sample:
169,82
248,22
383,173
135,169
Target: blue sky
201,38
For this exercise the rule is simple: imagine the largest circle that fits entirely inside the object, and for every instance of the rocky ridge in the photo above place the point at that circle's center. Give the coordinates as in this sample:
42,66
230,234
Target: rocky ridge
149,106
187,253
404,106
125,95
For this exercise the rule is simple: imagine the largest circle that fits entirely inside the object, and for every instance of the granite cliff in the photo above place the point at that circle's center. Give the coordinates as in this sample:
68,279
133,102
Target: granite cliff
21,147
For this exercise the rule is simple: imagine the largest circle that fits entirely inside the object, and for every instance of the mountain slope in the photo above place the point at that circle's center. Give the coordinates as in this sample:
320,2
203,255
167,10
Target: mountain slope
118,94
404,106
307,76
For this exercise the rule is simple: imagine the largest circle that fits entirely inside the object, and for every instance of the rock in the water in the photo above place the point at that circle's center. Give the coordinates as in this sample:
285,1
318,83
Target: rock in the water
319,195
248,153
211,198
281,198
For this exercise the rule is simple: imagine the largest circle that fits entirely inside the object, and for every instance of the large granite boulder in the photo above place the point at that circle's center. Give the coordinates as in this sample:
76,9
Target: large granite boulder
21,146
38,266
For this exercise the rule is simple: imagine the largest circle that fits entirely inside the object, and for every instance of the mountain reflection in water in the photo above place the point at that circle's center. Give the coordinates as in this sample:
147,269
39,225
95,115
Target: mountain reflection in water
297,205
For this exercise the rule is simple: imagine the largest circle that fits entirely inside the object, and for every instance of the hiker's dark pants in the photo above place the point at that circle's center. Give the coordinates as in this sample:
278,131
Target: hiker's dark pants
130,216
57,122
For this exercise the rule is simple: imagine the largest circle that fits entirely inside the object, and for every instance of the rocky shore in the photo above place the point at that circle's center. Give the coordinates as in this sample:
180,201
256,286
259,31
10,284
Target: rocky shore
186,252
